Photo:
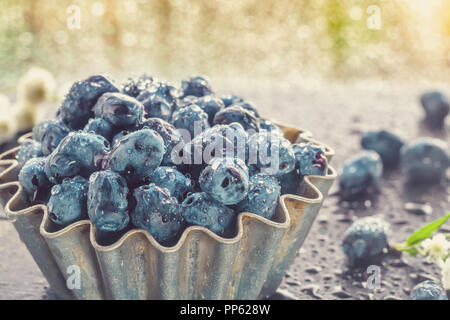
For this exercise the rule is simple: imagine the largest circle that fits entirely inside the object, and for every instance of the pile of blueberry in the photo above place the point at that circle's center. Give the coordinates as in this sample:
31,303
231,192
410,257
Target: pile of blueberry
154,156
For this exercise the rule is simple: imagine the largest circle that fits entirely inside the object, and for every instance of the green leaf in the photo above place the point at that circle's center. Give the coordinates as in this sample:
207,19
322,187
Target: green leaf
412,250
426,231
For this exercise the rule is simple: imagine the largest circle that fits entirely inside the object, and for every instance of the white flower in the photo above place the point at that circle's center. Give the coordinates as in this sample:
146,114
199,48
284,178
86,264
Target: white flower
8,127
36,86
436,248
445,266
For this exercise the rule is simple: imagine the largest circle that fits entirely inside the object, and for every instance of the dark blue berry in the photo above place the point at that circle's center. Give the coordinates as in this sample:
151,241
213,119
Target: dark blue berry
157,212
386,144
425,160
68,201
366,238
80,153
359,174
119,109
55,131
191,118
196,86
225,180
136,155
32,175
230,99
262,197
310,159
155,106
173,180
134,86
77,106
239,114
107,201
211,105
200,209
101,127
436,106
29,150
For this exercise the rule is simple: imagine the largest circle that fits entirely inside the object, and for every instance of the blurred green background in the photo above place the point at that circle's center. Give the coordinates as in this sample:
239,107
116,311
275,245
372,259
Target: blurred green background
279,40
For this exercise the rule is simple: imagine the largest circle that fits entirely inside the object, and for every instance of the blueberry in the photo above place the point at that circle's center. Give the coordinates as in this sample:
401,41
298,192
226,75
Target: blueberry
168,133
29,150
155,106
55,131
101,127
39,130
166,91
196,86
119,109
425,160
173,180
134,86
76,108
271,153
386,144
226,180
359,174
107,201
230,99
186,101
366,238
310,159
290,182
32,176
119,136
80,153
436,106
136,155
68,201
157,212
198,153
237,113
202,210
211,105
271,127
248,106
428,290
191,118
262,196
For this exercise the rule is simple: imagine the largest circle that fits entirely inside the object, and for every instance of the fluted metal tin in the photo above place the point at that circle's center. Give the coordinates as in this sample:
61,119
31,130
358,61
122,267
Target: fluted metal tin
202,265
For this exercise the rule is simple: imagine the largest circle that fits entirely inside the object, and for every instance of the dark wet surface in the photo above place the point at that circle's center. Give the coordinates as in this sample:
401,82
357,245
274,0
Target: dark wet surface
336,115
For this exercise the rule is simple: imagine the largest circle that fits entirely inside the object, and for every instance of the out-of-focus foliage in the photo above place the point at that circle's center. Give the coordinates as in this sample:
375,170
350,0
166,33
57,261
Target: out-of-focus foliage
252,38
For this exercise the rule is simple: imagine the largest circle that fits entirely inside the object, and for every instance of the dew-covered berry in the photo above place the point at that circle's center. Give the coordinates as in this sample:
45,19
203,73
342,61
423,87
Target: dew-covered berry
428,290
271,127
191,118
436,106
168,133
248,106
196,86
290,182
236,113
211,105
51,136
157,212
107,201
29,150
155,106
360,174
262,196
271,153
68,201
32,176
134,86
225,180
77,106
385,143
119,109
80,153
136,155
173,180
101,127
366,238
201,209
425,160
310,159
230,99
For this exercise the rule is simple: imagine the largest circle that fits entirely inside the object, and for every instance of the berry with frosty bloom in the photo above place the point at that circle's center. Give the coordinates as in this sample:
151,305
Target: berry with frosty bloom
436,248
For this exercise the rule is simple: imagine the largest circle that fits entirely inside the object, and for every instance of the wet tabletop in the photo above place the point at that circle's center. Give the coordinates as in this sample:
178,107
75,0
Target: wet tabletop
336,114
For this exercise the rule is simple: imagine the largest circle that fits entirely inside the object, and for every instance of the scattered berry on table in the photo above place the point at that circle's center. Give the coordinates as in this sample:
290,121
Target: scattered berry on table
385,143
436,106
428,290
